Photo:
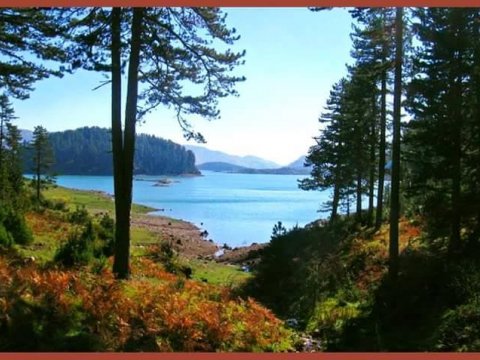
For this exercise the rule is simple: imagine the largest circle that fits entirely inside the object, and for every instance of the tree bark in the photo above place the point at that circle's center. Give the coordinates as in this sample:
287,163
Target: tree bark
121,227
381,150
371,165
358,215
395,187
456,137
335,201
123,199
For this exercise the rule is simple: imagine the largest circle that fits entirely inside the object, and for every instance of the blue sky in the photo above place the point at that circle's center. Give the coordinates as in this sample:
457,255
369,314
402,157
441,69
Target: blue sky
293,57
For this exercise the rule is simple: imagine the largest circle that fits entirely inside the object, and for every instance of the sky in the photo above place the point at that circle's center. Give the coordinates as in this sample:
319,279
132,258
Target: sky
293,57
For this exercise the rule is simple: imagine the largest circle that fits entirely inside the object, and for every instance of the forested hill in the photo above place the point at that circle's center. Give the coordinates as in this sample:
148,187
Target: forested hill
87,151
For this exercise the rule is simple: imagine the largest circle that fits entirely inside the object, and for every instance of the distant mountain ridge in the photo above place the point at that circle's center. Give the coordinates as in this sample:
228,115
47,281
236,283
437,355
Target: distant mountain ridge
299,163
27,135
232,168
204,155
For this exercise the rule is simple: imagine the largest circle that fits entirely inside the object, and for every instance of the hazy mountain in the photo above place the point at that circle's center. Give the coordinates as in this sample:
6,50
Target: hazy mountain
298,164
204,155
219,166
231,168
27,135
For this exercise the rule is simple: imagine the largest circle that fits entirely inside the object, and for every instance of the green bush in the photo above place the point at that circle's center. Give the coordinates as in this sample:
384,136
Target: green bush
93,242
16,225
330,317
78,249
460,329
295,268
80,216
59,205
106,232
5,237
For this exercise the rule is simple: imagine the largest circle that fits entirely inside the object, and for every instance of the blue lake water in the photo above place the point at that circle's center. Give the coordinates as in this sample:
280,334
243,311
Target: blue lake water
236,209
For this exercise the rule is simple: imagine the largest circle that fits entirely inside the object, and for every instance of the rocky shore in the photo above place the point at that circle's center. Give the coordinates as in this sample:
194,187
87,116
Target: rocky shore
189,241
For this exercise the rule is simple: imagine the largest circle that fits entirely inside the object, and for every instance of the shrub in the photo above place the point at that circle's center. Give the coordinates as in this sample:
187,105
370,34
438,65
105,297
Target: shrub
59,205
5,237
330,317
80,216
94,241
79,311
78,249
106,233
16,225
166,255
460,329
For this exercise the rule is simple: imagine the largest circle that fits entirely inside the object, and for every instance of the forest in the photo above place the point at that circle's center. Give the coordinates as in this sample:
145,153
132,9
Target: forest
400,133
88,151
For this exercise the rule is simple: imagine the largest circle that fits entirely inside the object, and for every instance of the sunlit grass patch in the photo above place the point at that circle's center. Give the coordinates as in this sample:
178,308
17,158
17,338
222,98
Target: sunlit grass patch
94,201
219,274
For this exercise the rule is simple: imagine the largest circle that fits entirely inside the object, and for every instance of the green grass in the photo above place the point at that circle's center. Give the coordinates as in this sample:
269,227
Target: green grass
218,274
42,249
50,234
93,201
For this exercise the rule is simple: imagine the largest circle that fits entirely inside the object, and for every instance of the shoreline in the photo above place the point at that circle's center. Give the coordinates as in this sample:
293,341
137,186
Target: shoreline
187,238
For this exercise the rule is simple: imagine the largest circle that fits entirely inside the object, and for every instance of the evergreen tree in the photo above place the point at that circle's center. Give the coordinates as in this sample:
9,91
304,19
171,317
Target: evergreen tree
443,135
6,116
331,156
395,182
88,151
42,158
26,34
372,49
340,158
361,110
165,48
13,164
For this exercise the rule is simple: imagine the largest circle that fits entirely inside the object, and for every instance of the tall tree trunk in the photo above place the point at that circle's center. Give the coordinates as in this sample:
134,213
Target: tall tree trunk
381,149
38,174
121,223
371,165
358,215
348,204
1,141
456,138
476,85
395,187
335,201
122,243
3,172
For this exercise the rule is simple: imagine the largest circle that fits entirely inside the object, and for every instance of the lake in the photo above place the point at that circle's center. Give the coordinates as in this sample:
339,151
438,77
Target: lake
236,209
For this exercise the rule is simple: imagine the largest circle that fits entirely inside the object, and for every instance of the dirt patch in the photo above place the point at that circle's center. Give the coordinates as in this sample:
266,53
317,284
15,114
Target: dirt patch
245,255
183,236
187,239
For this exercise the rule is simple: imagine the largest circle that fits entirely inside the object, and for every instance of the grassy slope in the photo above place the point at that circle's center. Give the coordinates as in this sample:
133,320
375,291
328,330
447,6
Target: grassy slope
94,201
51,228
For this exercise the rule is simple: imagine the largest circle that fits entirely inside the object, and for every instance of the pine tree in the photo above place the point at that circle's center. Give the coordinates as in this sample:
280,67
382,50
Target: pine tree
443,135
13,164
42,158
165,48
395,182
27,35
6,116
372,42
331,156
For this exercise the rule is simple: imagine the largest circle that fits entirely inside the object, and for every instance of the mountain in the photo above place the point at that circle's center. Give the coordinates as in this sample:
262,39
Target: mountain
219,166
204,155
232,168
27,135
299,163
87,151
